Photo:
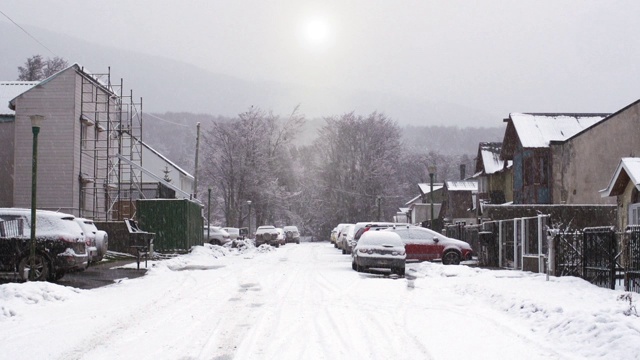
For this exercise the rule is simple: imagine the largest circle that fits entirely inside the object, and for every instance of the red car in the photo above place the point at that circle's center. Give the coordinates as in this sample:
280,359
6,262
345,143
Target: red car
422,244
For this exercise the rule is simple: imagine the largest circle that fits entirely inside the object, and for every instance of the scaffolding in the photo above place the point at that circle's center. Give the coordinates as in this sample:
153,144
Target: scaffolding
111,129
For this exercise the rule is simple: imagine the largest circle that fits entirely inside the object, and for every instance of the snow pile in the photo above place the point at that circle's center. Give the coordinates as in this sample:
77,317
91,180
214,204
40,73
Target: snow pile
564,310
18,298
264,248
200,257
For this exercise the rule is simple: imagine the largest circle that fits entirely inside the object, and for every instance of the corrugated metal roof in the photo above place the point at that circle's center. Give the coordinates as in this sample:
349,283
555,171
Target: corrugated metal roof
10,90
538,130
462,185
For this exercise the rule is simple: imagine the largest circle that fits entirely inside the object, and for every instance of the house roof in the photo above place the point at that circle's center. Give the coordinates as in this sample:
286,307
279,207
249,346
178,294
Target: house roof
81,70
426,188
628,170
488,161
166,160
11,89
537,130
462,185
408,203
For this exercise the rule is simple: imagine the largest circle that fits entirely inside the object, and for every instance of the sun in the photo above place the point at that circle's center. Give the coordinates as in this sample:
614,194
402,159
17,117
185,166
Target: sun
315,34
317,31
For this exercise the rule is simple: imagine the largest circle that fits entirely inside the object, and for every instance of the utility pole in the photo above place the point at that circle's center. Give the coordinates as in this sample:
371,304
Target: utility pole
209,216
379,203
195,176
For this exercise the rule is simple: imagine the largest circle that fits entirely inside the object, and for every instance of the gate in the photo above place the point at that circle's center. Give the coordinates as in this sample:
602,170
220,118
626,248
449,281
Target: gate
631,244
599,256
567,246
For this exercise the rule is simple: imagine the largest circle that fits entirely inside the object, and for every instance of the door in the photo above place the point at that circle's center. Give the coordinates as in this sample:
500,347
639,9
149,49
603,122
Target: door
425,244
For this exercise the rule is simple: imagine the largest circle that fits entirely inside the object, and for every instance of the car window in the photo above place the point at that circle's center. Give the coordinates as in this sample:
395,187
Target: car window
404,233
421,234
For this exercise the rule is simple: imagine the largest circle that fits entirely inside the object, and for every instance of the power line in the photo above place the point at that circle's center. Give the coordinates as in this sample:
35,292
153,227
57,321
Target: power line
165,120
26,32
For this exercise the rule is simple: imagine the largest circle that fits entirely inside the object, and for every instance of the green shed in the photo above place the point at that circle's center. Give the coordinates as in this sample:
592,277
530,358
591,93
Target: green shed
177,223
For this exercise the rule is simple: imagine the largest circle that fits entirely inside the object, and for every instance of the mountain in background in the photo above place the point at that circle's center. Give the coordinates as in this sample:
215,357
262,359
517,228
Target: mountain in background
172,86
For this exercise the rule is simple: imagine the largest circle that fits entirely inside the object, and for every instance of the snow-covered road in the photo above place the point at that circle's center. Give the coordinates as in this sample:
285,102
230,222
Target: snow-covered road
304,302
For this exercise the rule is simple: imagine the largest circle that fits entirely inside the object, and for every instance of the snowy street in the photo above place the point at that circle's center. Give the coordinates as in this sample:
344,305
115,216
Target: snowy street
305,302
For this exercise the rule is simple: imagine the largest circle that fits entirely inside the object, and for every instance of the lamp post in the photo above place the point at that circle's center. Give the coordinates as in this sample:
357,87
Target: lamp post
36,121
432,173
249,204
209,215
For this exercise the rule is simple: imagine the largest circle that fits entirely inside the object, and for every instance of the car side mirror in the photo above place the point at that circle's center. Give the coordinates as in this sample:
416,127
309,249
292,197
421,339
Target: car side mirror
435,240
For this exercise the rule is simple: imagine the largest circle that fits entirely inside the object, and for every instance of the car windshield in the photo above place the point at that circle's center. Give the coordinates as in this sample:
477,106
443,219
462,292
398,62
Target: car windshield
380,239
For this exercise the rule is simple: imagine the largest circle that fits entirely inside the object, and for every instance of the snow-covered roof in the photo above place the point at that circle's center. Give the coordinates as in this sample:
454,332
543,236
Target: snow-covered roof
408,203
96,79
463,185
426,188
167,160
11,89
404,209
538,130
628,170
488,161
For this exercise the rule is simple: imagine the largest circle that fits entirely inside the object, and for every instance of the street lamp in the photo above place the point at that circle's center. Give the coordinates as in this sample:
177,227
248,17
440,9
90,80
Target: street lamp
432,173
36,121
249,204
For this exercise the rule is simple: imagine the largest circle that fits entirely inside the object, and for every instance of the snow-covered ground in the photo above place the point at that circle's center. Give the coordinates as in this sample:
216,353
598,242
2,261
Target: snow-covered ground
304,302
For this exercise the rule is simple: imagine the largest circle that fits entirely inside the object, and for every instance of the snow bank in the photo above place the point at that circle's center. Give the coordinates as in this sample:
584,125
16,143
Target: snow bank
18,299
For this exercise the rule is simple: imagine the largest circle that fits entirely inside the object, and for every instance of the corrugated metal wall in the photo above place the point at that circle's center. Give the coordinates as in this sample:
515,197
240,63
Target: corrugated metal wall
177,223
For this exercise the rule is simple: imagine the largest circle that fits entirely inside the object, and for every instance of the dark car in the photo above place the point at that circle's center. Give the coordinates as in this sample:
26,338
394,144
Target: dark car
379,250
424,244
60,244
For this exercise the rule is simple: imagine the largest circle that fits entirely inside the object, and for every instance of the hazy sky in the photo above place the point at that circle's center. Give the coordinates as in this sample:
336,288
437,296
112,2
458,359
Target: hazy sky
497,56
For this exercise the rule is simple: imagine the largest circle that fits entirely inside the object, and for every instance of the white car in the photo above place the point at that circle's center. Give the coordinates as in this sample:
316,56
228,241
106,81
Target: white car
216,236
234,233
379,250
97,240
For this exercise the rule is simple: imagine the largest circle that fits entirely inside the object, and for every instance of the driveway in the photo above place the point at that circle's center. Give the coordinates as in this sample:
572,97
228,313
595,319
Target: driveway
101,274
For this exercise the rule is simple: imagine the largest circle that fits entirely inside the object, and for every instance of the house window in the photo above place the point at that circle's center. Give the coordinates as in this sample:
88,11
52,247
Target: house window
634,214
85,133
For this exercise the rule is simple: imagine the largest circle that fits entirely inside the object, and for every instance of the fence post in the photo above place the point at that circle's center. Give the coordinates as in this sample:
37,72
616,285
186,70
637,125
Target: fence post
500,243
540,254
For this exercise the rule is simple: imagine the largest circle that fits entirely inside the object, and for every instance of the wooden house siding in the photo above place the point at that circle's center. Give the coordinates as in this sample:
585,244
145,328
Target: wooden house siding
586,161
55,144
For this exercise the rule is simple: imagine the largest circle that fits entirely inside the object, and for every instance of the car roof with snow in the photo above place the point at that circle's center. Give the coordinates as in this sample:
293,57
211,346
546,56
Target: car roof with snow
380,238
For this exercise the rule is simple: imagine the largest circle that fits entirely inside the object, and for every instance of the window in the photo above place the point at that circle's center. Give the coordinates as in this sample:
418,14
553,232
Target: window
84,135
634,214
542,171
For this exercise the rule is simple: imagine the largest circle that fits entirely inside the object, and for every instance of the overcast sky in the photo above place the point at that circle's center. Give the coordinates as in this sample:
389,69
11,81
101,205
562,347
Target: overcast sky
497,56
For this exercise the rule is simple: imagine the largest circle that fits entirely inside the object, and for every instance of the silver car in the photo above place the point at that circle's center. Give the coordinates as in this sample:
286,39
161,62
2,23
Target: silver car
214,235
379,250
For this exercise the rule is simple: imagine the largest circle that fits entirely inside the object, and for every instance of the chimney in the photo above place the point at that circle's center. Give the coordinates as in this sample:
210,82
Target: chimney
463,167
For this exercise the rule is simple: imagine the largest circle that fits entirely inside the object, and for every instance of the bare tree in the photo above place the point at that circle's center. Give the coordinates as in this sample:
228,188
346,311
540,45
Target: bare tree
36,68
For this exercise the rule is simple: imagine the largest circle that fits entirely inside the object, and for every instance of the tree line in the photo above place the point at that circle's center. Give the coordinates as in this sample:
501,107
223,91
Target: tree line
357,169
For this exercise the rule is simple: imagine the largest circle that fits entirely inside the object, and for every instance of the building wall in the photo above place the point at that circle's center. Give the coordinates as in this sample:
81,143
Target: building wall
7,134
584,164
629,196
57,179
156,165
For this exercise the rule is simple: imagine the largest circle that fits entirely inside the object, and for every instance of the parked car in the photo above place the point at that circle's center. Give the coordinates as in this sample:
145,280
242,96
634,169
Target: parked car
343,238
267,234
97,241
234,233
424,244
216,236
281,238
60,244
342,235
379,249
292,234
335,233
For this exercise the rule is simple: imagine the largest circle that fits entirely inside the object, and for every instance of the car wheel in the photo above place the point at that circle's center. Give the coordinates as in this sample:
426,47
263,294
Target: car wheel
214,242
354,266
451,258
335,245
344,252
277,245
41,269
298,242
